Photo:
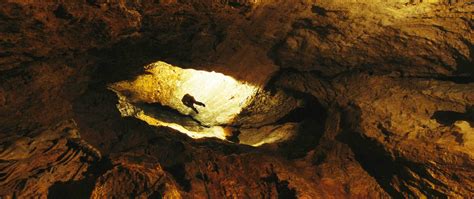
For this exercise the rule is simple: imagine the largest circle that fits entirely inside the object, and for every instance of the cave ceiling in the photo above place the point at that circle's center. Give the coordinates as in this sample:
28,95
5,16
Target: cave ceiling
237,99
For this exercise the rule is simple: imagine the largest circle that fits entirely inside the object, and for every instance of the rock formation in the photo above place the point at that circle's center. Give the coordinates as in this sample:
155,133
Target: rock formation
303,99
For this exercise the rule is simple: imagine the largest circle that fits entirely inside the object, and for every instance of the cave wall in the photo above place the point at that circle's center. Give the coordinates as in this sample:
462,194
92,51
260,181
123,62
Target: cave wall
394,76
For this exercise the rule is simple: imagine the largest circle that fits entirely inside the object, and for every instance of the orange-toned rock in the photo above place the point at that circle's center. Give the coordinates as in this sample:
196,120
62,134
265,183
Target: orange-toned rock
380,93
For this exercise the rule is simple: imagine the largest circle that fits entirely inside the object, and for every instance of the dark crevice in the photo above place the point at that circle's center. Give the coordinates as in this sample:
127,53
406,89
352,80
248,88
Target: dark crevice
178,171
370,155
236,4
375,160
448,118
382,165
62,13
311,109
465,64
225,148
234,137
311,115
312,118
82,188
319,10
282,186
158,194
460,79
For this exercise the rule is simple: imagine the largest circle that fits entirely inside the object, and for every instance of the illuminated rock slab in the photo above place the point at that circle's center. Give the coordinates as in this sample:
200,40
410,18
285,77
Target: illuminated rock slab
223,96
206,104
268,134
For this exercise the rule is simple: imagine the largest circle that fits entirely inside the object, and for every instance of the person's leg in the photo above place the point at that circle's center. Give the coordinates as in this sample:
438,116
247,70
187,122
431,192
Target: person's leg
194,109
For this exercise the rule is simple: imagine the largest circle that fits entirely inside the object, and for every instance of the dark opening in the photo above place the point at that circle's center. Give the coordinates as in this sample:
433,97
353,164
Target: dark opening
82,188
312,116
319,10
179,173
62,13
449,117
282,186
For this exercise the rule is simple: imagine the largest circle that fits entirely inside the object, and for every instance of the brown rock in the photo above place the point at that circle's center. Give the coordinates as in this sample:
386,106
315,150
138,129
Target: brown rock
378,96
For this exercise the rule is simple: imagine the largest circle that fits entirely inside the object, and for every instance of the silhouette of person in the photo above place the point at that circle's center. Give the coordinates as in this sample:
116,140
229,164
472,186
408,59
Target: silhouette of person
189,101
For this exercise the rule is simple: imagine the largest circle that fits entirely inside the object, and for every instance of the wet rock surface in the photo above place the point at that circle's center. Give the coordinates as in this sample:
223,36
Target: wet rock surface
384,93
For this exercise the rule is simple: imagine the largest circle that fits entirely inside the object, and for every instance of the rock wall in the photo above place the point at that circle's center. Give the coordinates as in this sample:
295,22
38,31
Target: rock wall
390,85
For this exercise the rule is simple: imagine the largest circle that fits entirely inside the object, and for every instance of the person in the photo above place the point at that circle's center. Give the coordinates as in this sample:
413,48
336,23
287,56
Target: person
189,101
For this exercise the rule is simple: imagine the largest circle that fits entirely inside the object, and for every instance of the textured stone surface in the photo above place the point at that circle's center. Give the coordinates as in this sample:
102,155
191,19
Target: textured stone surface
384,94
32,163
133,177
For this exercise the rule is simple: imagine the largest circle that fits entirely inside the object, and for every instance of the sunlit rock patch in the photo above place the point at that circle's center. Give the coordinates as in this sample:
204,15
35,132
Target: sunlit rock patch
268,134
206,104
223,96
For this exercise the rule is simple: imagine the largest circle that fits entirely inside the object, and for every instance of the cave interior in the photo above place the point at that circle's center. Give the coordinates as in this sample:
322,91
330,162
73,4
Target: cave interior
237,99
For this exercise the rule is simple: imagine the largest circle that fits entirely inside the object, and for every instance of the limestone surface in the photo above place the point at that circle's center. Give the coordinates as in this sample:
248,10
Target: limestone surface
344,99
